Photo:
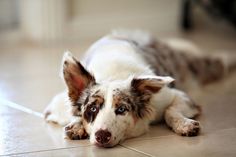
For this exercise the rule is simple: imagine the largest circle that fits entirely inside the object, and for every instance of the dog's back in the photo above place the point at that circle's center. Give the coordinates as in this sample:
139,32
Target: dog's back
114,58
122,53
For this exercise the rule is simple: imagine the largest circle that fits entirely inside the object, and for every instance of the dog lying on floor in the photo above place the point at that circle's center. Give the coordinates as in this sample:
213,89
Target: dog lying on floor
126,81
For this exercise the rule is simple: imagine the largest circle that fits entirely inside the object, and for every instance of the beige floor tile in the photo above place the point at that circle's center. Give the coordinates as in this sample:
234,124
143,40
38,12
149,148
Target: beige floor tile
22,132
89,151
218,103
32,92
30,74
157,130
221,143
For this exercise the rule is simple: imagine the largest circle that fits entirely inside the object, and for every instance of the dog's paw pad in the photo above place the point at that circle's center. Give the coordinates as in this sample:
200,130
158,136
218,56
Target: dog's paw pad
75,132
189,128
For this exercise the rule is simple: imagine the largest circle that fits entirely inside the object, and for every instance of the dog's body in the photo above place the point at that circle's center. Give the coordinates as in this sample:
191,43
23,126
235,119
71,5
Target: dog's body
123,84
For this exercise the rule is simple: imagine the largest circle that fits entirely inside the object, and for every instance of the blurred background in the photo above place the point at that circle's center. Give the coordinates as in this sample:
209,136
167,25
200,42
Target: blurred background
82,20
35,33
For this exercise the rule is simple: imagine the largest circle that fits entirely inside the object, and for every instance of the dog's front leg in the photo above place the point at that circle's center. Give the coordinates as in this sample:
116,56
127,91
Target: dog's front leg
178,115
75,130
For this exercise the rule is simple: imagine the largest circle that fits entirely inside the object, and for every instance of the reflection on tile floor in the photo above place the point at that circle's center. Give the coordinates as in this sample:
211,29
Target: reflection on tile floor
23,132
220,143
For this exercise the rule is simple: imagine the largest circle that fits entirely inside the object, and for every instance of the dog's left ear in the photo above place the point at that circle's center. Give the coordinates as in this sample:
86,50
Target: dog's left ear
150,84
76,77
143,88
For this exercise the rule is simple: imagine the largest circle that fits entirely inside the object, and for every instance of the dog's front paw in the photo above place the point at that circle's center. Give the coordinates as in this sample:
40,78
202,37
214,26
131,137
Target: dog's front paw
75,132
188,128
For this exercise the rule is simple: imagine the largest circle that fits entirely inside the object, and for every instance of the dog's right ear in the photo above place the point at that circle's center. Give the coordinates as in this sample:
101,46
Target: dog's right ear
76,77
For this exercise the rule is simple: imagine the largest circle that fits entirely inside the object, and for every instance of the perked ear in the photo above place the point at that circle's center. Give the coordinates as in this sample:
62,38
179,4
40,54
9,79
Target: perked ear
76,77
151,84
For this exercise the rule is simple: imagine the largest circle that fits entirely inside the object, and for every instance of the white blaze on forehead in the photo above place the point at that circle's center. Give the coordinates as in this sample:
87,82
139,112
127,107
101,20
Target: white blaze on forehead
110,91
106,115
109,98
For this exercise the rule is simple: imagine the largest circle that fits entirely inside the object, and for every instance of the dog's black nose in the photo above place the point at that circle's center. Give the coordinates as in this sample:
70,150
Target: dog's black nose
103,136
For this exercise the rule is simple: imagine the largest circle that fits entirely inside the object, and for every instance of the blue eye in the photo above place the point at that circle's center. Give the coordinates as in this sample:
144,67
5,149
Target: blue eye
93,109
120,110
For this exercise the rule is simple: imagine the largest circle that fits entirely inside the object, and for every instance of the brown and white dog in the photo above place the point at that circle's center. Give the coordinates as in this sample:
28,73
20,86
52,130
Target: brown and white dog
125,82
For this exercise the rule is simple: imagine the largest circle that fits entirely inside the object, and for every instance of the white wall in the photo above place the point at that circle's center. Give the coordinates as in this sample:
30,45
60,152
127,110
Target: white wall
48,20
43,20
94,18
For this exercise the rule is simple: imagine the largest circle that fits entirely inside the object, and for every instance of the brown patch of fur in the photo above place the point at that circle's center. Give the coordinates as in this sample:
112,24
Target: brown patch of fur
94,100
206,69
136,103
122,99
144,85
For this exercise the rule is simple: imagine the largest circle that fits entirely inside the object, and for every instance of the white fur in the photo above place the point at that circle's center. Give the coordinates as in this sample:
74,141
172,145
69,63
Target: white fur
60,109
113,59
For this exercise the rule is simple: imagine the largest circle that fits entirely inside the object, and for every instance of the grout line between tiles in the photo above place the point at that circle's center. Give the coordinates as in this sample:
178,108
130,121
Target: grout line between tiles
150,138
138,151
20,107
41,151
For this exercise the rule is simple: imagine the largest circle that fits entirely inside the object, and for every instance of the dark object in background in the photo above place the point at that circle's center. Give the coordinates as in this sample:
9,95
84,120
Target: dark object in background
225,9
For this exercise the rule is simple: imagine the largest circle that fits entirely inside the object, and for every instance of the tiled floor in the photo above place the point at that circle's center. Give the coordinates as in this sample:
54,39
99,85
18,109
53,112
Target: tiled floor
29,78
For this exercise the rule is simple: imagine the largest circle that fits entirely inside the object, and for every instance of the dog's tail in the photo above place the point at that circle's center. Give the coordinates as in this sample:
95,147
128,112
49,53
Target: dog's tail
210,68
229,60
204,68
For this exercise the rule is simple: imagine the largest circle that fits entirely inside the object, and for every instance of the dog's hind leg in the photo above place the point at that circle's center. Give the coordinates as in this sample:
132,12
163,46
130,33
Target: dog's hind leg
178,115
58,110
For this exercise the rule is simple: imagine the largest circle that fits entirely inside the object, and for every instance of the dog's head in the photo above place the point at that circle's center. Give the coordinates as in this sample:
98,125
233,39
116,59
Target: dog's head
112,110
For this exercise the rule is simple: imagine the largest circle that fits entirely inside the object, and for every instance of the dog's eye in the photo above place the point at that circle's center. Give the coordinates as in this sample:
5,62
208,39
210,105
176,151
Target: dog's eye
120,110
93,109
